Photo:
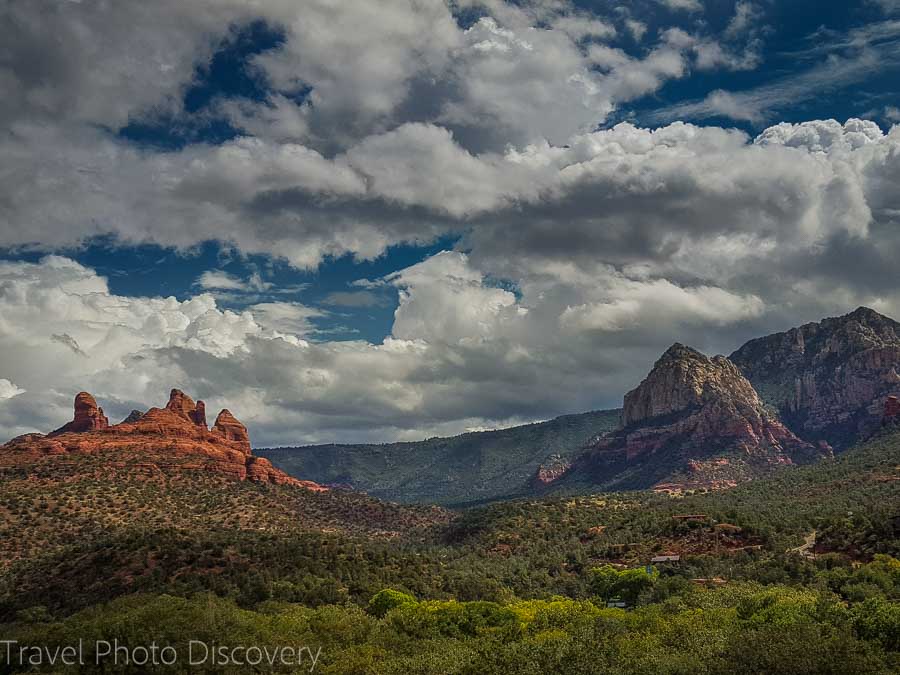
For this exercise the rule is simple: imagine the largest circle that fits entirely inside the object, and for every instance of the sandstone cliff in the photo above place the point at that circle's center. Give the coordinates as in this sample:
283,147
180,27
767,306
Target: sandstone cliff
693,422
830,379
88,416
172,439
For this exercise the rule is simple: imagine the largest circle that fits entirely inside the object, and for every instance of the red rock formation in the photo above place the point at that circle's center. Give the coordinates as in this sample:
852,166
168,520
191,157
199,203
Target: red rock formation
228,427
88,416
703,402
683,423
551,470
198,414
173,439
183,405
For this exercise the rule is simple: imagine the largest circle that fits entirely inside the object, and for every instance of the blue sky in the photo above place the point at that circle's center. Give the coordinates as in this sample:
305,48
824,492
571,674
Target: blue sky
796,37
150,270
451,216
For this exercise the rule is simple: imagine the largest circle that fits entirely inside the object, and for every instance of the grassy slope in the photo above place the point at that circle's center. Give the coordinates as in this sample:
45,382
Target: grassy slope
859,491
469,468
78,541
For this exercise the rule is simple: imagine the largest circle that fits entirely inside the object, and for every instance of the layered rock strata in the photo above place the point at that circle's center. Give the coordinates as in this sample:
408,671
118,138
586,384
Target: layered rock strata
174,438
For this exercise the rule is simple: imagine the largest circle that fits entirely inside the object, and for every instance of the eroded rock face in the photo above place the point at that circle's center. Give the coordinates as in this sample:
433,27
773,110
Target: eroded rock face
173,439
684,379
229,428
693,419
88,416
551,470
180,403
704,402
827,379
183,405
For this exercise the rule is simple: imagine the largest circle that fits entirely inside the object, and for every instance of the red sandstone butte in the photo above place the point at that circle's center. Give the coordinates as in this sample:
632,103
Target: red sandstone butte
88,416
229,428
171,439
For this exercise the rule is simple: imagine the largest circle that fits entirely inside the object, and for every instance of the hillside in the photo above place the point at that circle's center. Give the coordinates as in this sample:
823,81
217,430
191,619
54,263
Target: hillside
853,501
162,501
472,467
86,537
506,586
694,422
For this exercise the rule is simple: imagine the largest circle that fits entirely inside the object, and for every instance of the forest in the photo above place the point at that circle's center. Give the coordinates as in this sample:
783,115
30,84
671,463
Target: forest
733,581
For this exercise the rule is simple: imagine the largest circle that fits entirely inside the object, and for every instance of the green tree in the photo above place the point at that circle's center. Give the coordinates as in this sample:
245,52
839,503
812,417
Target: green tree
386,600
608,582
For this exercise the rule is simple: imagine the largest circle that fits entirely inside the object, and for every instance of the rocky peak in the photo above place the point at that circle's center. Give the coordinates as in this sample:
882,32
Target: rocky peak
198,414
868,317
88,416
231,429
133,416
180,403
679,352
862,329
183,405
827,379
683,379
694,421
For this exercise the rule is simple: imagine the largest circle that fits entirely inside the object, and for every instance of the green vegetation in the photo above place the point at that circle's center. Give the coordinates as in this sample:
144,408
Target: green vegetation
478,466
745,628
610,584
512,587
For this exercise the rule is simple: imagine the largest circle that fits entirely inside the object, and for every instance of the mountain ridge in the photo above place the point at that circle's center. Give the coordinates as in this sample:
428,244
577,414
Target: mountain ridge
829,378
695,422
700,423
467,468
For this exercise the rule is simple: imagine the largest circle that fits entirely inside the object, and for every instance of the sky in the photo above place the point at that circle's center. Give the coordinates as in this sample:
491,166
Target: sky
355,221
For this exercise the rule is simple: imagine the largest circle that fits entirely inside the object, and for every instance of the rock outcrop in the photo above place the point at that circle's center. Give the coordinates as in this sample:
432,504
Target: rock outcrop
183,405
694,421
88,416
827,380
173,439
551,470
227,426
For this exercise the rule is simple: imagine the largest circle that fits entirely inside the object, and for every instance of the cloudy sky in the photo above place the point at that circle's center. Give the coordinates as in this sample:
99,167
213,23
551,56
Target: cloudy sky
385,220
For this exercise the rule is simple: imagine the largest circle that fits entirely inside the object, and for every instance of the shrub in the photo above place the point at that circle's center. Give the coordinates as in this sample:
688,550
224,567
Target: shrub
386,600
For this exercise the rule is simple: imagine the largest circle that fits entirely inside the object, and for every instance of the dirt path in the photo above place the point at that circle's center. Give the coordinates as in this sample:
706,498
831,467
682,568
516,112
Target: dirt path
805,549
